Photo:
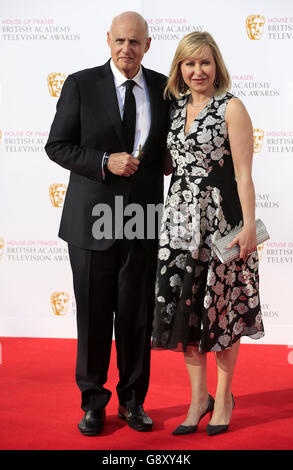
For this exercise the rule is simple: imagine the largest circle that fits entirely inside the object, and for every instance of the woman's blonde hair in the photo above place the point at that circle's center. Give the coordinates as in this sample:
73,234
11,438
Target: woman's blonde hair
187,47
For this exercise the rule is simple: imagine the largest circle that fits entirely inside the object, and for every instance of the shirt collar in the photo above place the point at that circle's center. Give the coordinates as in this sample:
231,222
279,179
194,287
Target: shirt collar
120,78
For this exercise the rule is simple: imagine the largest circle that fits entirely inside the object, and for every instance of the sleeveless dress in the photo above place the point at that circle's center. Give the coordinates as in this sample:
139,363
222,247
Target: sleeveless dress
199,300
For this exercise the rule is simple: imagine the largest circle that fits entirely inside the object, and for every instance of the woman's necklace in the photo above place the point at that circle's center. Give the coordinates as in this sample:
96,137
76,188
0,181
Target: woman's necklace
198,105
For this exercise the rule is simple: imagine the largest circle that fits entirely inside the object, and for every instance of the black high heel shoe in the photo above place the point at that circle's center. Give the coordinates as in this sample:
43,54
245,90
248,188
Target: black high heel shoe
214,429
182,429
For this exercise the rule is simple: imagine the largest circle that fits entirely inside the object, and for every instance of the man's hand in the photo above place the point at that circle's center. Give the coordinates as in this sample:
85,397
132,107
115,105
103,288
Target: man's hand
122,164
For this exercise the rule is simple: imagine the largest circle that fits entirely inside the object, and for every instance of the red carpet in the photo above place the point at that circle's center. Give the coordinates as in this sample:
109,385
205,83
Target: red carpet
40,403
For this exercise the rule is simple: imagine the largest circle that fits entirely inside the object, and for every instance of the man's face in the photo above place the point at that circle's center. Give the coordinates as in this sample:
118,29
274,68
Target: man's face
128,44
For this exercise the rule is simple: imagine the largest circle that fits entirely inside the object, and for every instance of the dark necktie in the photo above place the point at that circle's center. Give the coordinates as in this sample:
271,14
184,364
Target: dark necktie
129,116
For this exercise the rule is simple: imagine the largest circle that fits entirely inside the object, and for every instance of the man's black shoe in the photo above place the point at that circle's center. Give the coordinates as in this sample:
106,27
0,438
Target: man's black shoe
92,422
136,418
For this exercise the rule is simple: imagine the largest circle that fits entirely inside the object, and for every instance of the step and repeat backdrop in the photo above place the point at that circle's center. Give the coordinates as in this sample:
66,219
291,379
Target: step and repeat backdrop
41,44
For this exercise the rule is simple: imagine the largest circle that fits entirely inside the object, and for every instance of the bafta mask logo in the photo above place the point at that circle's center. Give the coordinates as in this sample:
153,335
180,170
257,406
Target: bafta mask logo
255,26
57,193
258,137
2,244
59,302
260,250
55,82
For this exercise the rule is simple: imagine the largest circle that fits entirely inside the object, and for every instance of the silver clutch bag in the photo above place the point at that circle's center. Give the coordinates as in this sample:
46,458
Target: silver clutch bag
228,254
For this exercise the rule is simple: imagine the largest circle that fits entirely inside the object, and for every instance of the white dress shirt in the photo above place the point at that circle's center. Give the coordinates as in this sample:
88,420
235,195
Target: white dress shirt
143,109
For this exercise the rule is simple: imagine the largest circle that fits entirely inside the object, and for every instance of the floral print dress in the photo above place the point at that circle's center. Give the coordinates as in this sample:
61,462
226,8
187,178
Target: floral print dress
199,300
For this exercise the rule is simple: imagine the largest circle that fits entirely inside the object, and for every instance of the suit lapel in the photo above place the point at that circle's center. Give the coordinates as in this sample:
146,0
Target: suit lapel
108,97
155,99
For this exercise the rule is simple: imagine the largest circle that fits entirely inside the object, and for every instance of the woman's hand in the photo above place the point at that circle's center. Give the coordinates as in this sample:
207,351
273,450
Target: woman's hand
246,239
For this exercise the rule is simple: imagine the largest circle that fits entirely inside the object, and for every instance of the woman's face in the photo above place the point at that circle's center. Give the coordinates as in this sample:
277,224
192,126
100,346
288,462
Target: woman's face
199,71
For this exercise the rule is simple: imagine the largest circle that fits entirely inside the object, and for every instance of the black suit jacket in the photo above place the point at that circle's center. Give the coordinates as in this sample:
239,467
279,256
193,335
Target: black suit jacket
87,124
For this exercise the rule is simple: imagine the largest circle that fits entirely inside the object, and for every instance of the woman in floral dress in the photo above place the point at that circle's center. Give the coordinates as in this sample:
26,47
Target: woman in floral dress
203,305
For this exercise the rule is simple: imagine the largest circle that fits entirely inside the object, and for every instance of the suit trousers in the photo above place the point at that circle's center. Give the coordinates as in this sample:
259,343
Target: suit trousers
113,287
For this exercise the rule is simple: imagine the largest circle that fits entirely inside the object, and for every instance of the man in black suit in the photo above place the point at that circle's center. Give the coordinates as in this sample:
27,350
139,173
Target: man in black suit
103,116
